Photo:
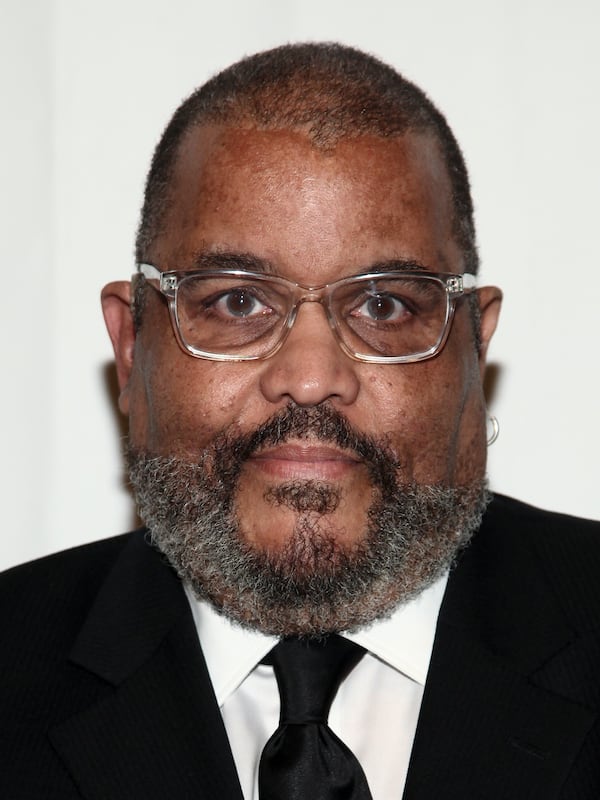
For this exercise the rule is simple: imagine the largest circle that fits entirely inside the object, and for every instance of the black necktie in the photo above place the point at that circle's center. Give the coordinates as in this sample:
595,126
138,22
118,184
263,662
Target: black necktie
304,759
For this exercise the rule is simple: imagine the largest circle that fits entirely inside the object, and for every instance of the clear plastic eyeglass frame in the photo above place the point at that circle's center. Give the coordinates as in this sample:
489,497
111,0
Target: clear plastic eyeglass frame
167,283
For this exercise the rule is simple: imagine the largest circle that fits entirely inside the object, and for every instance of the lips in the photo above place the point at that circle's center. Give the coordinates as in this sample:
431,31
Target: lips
305,461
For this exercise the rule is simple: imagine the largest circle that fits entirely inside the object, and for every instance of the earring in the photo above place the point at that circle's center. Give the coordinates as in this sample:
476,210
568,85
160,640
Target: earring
495,429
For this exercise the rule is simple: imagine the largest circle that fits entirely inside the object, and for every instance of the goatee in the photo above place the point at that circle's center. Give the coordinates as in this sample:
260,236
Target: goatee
314,584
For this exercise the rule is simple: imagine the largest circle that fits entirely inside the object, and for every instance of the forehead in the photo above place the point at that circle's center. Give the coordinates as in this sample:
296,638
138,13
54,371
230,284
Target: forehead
310,213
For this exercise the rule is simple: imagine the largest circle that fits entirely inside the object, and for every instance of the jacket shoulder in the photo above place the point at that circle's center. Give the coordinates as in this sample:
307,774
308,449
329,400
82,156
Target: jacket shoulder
565,550
507,509
54,593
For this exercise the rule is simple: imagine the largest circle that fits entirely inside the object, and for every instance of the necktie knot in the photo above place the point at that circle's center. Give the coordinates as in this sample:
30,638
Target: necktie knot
309,673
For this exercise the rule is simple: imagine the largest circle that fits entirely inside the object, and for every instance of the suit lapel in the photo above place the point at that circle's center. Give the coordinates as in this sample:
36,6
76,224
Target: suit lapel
485,729
153,729
486,732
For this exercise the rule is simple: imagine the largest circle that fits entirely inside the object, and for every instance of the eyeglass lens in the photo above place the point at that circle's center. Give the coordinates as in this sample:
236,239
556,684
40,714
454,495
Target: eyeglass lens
247,316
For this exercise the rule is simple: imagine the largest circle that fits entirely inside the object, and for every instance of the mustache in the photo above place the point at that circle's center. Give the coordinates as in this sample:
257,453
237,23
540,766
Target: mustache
323,423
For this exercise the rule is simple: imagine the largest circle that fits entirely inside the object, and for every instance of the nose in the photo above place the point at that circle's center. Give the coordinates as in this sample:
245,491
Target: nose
310,367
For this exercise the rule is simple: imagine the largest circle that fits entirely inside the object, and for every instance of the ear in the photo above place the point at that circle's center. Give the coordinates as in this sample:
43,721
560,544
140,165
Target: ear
490,301
116,307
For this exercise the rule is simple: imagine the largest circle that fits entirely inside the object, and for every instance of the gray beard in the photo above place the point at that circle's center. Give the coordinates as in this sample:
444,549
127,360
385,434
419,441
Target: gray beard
313,585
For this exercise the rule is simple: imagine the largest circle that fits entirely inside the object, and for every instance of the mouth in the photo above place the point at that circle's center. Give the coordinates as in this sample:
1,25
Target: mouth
305,461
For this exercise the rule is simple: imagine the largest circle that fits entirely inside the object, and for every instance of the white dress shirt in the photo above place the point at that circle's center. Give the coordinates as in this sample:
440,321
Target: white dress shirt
375,711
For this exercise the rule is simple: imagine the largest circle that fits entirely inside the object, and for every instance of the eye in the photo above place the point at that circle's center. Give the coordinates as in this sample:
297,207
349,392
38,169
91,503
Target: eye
239,302
381,307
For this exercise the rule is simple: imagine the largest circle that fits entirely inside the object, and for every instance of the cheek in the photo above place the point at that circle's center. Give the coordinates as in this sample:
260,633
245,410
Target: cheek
431,413
178,403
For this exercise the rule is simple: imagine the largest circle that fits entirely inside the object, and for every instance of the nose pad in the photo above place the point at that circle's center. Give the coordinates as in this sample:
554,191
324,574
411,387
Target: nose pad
310,367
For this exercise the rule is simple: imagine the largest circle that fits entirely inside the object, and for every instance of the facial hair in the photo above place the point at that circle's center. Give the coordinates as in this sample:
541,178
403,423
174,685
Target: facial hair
314,584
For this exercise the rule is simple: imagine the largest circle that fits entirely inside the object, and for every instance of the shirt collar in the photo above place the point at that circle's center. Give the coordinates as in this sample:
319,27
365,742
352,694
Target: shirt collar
404,640
230,651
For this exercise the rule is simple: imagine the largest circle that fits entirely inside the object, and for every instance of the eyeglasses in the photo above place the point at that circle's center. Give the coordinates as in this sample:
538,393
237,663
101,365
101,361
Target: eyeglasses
378,317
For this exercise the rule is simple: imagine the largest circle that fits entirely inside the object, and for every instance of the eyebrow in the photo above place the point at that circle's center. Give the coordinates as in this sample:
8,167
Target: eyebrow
205,260
232,260
397,264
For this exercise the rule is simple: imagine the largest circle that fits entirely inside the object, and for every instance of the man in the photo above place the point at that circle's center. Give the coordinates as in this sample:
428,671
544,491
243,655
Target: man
300,356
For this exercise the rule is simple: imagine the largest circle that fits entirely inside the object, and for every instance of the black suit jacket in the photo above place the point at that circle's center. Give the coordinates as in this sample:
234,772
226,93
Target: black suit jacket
104,691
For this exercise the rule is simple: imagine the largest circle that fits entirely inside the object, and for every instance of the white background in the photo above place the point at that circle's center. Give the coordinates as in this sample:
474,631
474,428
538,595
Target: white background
86,89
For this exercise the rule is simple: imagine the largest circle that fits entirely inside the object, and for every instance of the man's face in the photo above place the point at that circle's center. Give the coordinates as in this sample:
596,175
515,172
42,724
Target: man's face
271,199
